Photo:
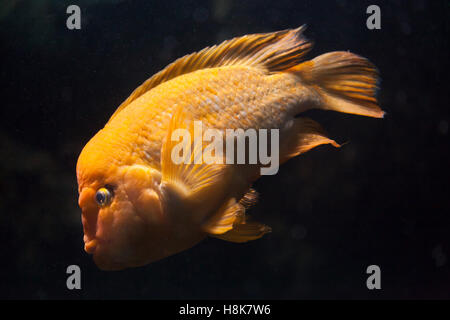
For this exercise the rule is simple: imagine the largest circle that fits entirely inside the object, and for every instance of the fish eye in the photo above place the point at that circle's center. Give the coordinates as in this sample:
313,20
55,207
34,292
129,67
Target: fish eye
103,197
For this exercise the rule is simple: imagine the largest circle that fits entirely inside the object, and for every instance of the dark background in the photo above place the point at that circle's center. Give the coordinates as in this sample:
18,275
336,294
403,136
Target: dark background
381,199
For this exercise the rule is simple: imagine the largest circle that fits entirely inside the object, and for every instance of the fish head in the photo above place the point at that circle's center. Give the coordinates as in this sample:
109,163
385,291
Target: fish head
124,221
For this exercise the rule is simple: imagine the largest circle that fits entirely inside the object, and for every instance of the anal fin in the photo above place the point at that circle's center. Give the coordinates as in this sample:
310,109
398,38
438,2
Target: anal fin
244,232
230,222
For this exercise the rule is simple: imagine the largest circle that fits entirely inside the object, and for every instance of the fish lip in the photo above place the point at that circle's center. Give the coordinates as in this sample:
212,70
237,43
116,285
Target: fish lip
90,246
89,227
89,218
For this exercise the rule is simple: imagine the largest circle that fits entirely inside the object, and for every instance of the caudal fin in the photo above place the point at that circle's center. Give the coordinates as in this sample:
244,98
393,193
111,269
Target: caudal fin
345,82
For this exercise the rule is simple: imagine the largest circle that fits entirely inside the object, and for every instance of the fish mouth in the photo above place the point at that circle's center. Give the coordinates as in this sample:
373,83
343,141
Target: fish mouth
89,218
90,231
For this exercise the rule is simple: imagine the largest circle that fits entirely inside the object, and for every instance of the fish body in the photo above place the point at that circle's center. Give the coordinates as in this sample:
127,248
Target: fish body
138,206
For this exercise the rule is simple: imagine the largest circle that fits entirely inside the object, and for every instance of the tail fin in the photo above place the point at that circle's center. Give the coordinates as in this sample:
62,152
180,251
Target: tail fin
345,81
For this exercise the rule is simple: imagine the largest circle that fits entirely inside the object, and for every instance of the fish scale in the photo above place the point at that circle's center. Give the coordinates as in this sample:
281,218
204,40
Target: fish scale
210,96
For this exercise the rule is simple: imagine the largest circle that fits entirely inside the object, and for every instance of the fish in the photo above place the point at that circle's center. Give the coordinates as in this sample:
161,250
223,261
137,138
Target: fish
139,206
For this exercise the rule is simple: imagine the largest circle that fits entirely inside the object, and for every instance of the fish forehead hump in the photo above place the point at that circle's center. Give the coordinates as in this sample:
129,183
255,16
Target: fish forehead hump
101,157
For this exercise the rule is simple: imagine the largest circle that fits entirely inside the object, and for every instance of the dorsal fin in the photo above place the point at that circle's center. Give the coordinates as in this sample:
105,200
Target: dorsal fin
274,51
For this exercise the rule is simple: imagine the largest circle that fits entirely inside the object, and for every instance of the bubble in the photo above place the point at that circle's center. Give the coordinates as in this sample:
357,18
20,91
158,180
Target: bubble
298,232
405,27
223,35
252,287
349,154
169,43
440,258
221,8
200,14
401,51
66,94
400,97
418,5
443,127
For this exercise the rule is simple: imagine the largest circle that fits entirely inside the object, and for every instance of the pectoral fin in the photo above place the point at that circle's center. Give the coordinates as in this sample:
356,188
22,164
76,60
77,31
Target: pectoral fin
183,171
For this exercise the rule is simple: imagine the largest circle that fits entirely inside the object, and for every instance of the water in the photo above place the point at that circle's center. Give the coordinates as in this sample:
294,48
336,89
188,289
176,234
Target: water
381,199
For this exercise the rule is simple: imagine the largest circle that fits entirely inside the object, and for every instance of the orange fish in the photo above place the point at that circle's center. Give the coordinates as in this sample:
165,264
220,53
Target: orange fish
139,206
